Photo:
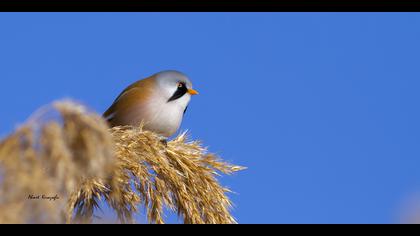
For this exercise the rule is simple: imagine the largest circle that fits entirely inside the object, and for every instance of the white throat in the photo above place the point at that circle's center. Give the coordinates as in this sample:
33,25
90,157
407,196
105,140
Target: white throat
165,117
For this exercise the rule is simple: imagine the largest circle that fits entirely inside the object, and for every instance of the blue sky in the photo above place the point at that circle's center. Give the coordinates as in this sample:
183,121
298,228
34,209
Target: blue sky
321,107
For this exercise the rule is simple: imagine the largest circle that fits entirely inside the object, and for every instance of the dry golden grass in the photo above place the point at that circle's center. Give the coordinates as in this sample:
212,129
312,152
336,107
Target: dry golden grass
78,158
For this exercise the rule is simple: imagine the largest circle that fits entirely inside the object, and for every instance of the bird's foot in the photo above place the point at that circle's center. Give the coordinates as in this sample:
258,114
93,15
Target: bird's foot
164,141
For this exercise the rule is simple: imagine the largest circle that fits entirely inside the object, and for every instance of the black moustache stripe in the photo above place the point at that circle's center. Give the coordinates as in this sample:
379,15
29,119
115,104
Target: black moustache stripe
179,93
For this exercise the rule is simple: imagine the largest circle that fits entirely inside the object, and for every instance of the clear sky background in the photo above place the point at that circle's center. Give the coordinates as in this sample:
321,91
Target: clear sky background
323,108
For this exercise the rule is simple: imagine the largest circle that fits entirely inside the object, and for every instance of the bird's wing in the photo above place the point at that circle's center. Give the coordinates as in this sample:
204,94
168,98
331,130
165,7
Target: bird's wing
138,84
135,94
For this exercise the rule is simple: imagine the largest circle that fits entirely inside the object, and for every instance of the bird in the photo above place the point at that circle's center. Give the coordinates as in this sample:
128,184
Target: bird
159,102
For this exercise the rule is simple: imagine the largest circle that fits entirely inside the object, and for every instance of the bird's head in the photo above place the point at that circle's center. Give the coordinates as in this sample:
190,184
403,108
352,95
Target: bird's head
175,87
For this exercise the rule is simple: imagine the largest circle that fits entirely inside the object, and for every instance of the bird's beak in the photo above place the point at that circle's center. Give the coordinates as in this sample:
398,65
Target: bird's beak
192,92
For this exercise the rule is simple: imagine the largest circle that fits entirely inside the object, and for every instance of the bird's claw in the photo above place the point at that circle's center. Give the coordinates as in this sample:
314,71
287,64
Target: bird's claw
164,141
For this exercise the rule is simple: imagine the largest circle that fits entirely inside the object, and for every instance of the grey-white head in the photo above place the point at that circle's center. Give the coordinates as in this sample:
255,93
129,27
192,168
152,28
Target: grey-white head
174,94
173,84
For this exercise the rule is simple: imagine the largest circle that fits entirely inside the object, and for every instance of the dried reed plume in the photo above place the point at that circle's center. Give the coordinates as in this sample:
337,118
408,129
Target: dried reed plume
65,160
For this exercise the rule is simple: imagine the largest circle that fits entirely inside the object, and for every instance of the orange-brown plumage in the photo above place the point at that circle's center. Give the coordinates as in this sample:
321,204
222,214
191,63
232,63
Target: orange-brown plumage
135,95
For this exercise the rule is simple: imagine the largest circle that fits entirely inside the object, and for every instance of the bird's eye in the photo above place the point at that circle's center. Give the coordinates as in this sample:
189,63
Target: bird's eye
181,90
